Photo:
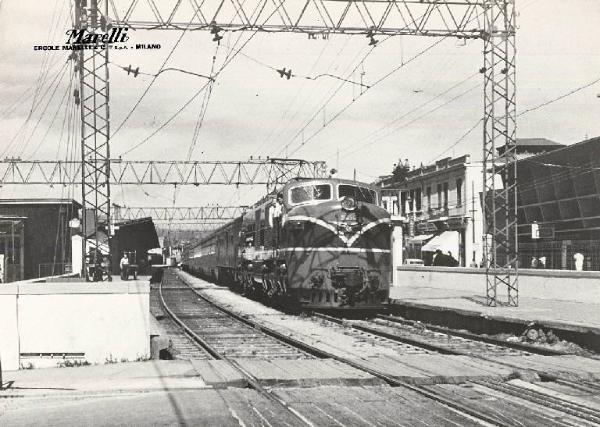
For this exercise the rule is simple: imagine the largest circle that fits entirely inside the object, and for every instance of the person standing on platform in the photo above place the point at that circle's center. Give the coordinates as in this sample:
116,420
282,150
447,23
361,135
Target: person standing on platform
578,257
542,262
124,264
534,262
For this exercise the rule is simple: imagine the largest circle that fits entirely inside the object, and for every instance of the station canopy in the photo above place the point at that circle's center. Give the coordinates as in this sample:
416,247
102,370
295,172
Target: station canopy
447,241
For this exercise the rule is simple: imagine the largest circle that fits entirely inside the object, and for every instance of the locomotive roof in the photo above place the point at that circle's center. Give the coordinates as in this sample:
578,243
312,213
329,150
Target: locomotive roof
295,181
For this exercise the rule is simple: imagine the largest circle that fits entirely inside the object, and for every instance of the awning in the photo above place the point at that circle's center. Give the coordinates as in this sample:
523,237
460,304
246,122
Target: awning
419,238
447,241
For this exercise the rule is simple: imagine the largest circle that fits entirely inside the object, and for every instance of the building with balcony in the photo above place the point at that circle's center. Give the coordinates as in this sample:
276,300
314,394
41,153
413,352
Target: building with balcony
441,208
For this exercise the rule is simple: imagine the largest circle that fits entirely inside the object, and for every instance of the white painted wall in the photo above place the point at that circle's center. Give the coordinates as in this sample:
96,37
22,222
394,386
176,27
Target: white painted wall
580,286
108,321
9,342
397,245
76,255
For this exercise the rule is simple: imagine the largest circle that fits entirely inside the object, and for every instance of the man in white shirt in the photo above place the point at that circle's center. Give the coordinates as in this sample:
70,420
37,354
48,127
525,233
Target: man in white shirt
124,264
578,257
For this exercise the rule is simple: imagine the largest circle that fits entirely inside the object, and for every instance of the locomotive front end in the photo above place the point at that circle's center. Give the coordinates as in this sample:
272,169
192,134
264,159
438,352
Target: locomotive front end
336,244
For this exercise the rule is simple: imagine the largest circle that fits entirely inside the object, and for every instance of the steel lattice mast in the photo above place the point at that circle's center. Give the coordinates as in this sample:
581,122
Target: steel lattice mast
499,130
95,126
493,21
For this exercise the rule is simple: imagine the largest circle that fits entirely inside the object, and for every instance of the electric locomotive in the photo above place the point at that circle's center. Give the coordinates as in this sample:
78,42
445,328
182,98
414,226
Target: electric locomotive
319,243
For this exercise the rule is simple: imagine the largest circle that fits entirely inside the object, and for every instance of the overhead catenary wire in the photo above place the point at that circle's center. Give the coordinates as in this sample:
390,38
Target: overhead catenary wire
374,84
65,106
59,75
388,125
43,112
155,77
187,103
283,125
163,70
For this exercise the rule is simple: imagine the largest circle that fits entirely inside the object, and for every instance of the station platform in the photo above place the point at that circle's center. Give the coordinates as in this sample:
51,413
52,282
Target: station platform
196,392
574,321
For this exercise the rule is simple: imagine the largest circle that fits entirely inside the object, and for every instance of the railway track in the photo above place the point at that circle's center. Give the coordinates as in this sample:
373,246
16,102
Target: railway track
190,310
225,335
181,345
447,342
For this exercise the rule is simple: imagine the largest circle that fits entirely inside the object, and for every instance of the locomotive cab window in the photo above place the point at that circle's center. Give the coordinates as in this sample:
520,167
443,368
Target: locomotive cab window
308,193
360,194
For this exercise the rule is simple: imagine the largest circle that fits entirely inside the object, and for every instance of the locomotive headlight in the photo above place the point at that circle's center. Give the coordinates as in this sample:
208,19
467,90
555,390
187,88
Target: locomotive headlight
348,203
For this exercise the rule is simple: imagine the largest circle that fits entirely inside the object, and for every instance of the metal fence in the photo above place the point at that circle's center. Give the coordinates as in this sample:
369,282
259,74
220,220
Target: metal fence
53,269
560,255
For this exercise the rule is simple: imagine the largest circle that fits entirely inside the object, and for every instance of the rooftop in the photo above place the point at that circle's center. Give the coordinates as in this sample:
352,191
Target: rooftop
537,142
38,202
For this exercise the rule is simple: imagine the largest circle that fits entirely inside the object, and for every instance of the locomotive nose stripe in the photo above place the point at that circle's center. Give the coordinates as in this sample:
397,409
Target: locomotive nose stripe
348,241
335,249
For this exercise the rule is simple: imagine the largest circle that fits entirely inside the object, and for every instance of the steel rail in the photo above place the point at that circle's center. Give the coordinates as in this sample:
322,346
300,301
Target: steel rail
250,379
571,408
467,335
575,409
473,412
439,349
561,405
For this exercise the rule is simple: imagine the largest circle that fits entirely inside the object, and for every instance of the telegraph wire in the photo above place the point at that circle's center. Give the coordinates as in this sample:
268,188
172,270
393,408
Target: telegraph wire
460,95
537,107
397,119
458,141
543,104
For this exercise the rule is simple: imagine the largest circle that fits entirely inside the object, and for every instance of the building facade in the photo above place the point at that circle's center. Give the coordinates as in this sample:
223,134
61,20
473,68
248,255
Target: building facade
441,208
37,238
559,196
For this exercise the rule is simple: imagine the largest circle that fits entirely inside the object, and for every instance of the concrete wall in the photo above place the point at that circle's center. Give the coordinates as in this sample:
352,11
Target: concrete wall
105,321
580,286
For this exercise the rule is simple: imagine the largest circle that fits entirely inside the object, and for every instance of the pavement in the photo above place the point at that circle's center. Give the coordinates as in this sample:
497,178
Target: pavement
185,393
576,315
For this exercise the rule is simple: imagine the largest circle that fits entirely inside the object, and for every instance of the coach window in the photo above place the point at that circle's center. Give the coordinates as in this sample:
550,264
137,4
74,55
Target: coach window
307,193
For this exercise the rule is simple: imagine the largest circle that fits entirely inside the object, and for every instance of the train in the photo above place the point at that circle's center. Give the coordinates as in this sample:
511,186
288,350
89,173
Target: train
314,244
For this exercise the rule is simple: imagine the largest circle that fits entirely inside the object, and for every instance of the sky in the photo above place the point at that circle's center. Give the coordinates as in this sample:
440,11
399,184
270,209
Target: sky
418,112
